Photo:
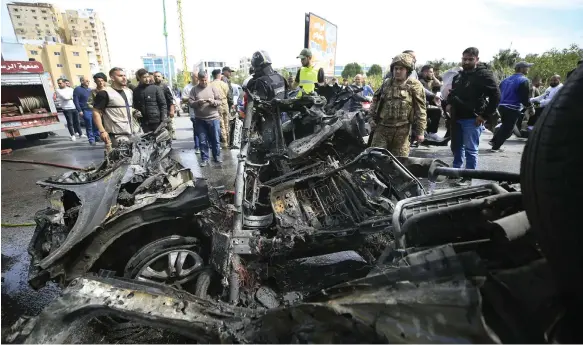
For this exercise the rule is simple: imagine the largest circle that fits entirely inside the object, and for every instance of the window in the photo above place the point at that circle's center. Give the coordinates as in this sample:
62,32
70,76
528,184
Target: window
16,10
57,53
47,25
19,24
75,53
45,18
40,38
35,17
73,26
77,65
33,11
59,65
34,52
37,25
158,61
44,11
17,17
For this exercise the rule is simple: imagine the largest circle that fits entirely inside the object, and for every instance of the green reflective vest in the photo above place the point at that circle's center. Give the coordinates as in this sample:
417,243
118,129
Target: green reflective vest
308,80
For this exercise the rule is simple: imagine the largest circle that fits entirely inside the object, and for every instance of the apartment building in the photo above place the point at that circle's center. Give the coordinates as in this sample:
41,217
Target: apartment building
35,21
167,66
85,28
41,22
245,64
61,60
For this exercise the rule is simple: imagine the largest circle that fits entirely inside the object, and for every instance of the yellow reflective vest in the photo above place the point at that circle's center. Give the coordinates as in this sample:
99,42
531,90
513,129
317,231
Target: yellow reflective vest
308,80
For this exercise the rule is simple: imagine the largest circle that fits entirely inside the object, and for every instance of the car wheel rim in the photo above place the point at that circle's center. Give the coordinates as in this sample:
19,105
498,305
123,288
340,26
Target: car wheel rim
174,267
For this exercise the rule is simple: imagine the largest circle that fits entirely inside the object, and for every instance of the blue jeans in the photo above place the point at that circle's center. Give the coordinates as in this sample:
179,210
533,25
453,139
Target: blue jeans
469,140
196,139
209,134
92,131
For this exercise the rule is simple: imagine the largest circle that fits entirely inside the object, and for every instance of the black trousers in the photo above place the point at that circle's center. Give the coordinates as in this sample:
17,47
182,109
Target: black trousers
433,118
509,118
73,124
537,114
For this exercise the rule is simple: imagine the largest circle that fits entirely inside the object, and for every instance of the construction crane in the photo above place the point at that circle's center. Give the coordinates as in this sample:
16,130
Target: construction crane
182,43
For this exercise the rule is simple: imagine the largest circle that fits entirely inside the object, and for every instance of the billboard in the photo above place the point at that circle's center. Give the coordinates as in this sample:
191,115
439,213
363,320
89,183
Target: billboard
320,37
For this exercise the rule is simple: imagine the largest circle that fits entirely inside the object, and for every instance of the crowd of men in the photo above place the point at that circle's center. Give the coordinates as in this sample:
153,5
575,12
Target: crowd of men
407,108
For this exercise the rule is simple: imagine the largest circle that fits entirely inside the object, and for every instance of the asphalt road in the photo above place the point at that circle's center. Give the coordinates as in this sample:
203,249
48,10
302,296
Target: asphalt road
21,198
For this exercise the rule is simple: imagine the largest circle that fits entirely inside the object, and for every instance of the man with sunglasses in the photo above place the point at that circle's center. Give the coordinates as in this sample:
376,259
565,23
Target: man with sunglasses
308,76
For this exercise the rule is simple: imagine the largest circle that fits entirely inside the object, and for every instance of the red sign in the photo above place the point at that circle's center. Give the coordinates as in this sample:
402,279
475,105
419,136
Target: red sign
22,67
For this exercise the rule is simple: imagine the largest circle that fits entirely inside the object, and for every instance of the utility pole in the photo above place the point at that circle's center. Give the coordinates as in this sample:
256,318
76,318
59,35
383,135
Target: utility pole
166,38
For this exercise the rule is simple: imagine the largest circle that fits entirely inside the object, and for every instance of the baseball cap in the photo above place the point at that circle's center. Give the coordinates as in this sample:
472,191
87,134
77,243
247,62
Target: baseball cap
523,64
305,53
227,69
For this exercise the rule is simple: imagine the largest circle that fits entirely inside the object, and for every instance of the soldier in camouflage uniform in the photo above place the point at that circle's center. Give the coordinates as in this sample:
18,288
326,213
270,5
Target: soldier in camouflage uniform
398,105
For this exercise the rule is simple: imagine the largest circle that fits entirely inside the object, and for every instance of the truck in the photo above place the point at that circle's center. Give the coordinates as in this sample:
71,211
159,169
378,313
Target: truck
28,108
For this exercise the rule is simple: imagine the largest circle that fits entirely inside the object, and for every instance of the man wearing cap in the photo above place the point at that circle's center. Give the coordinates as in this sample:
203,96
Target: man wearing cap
514,93
307,76
224,108
227,79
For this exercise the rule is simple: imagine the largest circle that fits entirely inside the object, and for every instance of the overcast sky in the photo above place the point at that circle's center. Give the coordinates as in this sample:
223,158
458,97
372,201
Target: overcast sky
368,32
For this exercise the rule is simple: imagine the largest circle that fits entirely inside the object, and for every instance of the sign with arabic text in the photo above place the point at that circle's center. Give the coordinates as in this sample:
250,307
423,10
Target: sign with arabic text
21,67
321,38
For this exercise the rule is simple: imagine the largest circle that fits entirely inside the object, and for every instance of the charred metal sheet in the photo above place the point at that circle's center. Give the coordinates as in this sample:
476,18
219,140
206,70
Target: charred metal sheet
97,199
444,310
315,273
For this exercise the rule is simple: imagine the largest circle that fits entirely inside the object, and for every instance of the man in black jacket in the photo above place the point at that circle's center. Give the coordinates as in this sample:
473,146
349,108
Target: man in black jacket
473,98
171,107
266,82
150,101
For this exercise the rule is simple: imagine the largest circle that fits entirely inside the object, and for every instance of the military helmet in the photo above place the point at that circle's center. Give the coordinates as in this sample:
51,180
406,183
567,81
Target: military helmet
260,59
405,60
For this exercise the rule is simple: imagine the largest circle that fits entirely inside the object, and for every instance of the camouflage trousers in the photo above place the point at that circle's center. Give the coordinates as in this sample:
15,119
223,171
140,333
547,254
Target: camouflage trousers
224,114
394,139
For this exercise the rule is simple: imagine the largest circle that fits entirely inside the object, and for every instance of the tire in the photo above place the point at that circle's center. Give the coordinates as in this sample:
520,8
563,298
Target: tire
551,182
155,248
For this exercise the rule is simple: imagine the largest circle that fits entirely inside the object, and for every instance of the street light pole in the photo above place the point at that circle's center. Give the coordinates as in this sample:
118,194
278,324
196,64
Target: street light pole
166,38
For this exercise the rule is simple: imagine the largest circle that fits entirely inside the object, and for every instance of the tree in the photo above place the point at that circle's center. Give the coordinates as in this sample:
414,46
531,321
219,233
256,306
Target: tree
374,70
554,62
179,81
503,63
284,73
440,65
351,70
239,76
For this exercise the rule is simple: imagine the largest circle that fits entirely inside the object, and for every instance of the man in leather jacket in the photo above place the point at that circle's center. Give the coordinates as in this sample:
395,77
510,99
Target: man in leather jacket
473,98
149,100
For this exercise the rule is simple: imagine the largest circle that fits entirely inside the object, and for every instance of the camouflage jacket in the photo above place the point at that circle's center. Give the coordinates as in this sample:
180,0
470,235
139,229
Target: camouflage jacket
223,90
398,105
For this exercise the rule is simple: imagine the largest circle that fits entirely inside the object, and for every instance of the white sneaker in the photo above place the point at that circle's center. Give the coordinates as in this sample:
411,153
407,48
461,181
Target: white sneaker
73,138
82,136
434,137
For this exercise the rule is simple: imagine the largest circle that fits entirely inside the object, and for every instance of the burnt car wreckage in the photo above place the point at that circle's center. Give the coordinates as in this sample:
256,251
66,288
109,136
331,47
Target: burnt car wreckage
323,240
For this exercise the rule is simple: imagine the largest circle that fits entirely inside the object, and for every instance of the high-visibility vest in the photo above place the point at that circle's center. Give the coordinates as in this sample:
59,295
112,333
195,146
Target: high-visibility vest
308,80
